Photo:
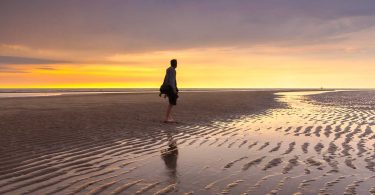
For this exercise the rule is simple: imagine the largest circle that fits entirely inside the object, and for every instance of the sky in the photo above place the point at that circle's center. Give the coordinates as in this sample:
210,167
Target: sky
218,43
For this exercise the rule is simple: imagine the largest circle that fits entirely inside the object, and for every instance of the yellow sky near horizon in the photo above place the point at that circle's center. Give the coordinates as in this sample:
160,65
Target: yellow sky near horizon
200,68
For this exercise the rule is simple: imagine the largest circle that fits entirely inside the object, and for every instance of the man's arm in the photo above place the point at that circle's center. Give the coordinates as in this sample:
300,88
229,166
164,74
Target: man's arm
172,79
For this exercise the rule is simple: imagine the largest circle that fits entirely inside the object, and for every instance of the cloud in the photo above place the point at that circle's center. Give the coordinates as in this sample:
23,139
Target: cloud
8,69
99,27
46,68
13,60
14,64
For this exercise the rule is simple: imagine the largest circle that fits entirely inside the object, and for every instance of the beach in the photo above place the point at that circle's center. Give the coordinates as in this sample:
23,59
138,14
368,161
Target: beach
229,142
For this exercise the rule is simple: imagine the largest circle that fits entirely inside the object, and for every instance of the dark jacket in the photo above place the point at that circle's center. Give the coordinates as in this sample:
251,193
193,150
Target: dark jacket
169,84
170,78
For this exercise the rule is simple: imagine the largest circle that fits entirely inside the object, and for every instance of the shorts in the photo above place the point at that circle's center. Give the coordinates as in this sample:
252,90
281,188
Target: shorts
172,97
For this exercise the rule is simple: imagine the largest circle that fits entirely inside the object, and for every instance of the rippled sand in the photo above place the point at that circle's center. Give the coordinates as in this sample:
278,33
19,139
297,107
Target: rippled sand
227,142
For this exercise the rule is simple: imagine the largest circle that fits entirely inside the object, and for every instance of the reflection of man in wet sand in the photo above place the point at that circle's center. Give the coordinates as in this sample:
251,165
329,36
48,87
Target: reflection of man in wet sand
169,156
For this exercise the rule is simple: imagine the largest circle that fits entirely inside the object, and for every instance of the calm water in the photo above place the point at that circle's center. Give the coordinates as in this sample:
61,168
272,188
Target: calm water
6,93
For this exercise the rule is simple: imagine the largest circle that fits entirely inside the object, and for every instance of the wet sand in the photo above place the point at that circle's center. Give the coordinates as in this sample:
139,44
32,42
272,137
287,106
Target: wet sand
225,142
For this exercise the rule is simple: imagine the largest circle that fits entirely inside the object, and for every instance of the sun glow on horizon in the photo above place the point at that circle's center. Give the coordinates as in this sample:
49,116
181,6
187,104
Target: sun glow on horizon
198,68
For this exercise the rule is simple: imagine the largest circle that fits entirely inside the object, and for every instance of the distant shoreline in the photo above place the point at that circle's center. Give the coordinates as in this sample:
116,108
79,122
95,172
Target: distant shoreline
14,93
47,92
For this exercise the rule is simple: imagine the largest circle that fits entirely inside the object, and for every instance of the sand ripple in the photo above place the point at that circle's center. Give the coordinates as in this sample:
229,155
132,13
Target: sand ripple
318,144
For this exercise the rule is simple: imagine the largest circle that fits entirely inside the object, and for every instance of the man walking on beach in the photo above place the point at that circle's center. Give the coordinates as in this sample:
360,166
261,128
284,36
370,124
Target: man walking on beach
169,88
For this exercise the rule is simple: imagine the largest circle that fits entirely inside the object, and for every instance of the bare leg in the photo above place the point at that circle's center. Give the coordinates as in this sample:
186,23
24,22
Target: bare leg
167,116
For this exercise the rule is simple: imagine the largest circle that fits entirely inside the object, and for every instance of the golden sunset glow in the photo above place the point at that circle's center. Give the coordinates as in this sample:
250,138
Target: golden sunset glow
123,51
201,68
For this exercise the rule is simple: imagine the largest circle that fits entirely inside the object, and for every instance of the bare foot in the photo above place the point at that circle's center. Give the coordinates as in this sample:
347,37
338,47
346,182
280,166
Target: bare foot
170,121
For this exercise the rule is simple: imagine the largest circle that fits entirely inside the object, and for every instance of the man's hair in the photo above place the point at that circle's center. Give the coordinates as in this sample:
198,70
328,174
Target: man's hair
174,63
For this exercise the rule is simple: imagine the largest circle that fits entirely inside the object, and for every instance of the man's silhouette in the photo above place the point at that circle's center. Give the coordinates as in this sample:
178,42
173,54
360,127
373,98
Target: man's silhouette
169,88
